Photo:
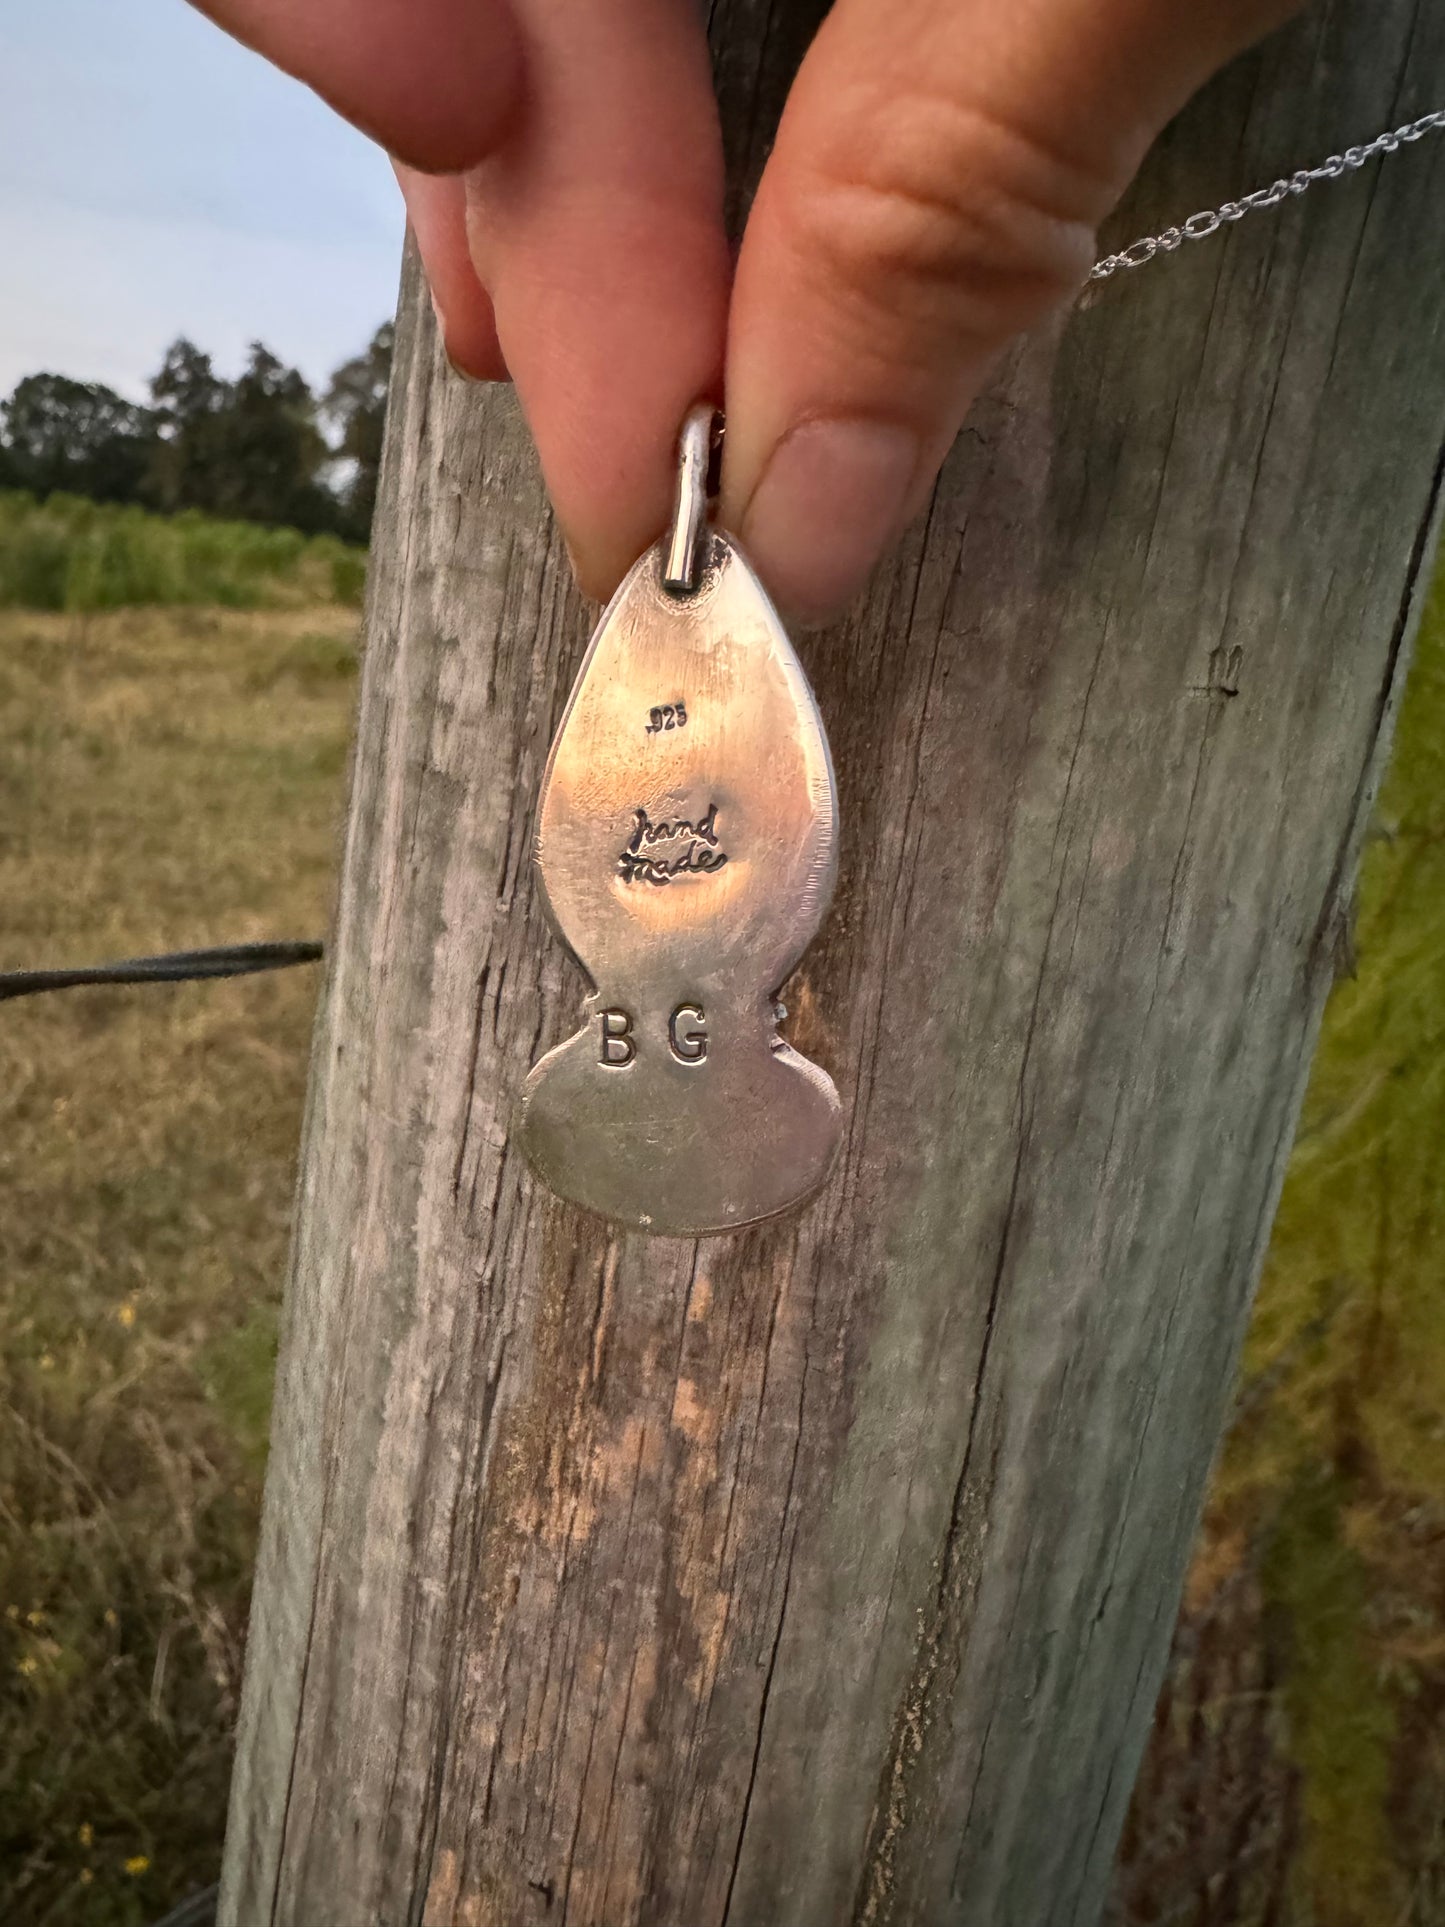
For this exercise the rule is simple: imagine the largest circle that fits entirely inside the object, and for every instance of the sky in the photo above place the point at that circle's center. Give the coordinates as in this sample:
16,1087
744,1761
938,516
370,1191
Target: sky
156,179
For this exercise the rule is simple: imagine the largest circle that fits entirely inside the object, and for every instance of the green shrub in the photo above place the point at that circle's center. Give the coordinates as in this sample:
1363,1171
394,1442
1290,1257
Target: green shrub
66,553
348,576
34,556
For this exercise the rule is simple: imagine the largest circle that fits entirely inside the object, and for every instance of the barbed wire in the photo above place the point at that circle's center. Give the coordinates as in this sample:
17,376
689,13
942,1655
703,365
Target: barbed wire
172,967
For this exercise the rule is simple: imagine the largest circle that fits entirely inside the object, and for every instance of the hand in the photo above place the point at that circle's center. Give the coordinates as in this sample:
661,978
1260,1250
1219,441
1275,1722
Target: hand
938,175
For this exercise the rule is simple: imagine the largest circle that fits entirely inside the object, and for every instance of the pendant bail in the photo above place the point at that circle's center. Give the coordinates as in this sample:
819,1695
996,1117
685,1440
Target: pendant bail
695,446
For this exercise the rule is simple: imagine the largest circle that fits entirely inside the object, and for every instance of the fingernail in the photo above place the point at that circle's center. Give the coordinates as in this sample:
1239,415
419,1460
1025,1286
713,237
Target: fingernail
831,496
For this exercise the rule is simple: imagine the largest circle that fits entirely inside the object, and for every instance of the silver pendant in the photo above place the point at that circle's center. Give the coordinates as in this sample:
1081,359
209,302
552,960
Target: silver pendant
687,848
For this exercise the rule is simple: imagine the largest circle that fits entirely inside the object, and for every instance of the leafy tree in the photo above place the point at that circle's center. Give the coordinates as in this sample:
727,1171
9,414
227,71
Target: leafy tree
79,436
187,397
355,407
250,449
271,452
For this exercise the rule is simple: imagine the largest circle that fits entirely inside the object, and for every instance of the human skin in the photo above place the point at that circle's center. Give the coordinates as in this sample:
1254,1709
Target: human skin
937,179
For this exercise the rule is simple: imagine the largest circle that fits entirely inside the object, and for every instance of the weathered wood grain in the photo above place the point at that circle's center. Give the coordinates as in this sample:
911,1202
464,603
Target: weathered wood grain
825,1573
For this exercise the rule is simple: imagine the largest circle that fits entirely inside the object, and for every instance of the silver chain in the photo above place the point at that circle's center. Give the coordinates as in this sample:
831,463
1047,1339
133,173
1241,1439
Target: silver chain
1199,226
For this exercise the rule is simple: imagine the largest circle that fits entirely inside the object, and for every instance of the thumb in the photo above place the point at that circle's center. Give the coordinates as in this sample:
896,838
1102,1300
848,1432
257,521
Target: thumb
938,175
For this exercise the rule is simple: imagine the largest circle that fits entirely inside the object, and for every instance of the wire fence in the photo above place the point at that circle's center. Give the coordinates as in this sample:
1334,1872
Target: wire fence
170,967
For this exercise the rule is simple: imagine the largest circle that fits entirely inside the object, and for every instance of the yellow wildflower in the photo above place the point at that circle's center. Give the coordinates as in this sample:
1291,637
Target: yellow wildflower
111,1617
35,1617
47,1361
137,1863
86,1835
126,1315
25,1667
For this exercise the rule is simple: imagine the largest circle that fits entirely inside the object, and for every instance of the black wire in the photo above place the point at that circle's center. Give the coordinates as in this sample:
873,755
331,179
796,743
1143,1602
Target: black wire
198,1911
175,967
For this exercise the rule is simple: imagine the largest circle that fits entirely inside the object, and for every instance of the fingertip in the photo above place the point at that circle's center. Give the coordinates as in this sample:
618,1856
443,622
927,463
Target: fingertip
436,82
472,357
606,372
436,212
454,91
613,503
595,571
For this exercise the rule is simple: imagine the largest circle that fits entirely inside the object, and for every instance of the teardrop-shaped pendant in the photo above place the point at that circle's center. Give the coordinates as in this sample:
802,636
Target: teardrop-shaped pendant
687,846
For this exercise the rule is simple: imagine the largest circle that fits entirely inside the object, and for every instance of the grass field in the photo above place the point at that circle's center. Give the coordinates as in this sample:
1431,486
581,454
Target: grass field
172,777
167,778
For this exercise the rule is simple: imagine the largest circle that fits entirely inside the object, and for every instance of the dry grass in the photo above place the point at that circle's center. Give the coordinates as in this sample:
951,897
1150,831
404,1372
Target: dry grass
167,779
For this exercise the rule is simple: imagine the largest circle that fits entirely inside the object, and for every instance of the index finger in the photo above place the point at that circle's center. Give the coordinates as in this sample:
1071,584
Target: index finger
434,81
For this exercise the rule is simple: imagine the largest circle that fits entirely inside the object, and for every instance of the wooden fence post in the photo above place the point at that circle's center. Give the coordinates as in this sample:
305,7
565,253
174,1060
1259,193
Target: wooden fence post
825,1573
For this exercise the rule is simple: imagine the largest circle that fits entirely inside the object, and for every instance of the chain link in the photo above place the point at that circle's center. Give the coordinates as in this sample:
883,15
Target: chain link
1211,220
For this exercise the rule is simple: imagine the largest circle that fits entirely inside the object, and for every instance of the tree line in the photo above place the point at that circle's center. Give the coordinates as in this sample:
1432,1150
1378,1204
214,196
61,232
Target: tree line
261,448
